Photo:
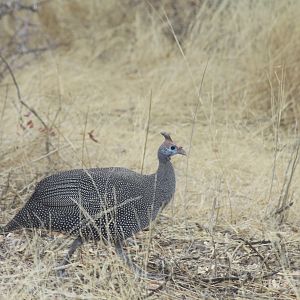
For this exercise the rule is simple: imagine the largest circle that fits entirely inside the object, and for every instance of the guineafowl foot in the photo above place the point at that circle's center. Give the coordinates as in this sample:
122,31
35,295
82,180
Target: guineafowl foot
61,270
61,273
150,276
138,271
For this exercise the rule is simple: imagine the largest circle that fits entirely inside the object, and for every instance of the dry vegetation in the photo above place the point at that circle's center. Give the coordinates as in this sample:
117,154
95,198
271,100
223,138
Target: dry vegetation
232,230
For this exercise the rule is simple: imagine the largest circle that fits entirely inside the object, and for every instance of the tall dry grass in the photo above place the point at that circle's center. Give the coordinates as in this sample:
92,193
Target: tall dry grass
94,92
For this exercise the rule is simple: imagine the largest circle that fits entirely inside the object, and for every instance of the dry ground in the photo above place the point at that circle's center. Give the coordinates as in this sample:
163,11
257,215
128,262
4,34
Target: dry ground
232,230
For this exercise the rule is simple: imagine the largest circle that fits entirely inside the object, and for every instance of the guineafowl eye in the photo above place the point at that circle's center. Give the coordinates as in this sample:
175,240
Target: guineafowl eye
173,147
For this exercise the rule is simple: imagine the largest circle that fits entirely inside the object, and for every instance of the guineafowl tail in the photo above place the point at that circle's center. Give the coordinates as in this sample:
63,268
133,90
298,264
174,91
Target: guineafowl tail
19,221
11,226
5,229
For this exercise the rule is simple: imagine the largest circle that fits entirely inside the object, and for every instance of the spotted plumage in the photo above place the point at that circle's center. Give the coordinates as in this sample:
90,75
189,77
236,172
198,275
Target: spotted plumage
108,203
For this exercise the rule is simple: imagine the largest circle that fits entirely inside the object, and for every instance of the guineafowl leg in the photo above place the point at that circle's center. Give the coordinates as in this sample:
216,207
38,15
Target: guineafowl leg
76,243
139,272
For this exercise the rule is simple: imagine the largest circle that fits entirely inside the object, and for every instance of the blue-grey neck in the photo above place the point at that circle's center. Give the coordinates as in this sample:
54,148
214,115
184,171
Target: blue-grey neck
166,181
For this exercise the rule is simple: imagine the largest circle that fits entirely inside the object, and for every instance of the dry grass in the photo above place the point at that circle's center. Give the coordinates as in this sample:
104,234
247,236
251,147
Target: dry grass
93,93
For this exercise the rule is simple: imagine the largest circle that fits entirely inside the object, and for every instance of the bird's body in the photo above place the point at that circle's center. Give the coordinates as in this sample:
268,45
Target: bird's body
101,203
82,201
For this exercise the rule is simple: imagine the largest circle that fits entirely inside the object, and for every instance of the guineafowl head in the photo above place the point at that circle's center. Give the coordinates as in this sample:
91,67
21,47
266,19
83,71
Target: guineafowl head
168,148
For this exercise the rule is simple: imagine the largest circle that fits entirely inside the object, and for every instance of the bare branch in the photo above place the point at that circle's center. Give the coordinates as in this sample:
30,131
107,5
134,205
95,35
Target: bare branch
32,110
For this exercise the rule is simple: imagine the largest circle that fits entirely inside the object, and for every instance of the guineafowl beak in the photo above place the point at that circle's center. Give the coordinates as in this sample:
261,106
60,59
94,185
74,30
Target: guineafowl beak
181,151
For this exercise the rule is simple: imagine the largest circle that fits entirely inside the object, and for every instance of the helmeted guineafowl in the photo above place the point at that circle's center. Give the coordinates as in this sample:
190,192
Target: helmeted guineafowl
101,203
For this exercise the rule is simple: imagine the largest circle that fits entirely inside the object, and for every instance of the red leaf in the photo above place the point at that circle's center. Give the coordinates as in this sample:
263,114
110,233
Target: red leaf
92,137
29,124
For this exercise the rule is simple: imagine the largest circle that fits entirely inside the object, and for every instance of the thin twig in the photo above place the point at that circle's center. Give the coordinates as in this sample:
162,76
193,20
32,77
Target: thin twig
32,110
147,132
256,252
84,147
283,208
283,204
194,125
276,125
159,288
16,86
215,280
